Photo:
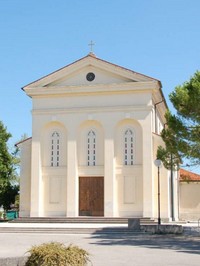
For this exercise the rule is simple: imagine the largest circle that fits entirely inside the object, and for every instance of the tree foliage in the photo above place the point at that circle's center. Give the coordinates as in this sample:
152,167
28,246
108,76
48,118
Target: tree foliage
5,157
182,132
8,175
8,194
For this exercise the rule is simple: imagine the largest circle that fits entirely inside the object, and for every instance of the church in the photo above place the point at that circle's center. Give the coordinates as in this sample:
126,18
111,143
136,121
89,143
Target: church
95,132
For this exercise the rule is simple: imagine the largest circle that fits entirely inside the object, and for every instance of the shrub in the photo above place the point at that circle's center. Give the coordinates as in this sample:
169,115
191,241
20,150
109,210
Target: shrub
57,254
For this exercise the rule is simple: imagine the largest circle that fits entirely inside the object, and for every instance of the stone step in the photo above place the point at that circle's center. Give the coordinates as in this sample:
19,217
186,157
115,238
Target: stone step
91,220
70,220
39,230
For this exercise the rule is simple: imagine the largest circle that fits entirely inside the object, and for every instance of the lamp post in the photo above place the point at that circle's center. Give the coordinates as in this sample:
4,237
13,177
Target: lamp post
158,164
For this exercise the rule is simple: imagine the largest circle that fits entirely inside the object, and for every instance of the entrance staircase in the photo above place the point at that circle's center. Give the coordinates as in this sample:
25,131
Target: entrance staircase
71,225
80,219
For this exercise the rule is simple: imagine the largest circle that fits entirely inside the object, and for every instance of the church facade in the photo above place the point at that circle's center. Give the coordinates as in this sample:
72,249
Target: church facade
95,133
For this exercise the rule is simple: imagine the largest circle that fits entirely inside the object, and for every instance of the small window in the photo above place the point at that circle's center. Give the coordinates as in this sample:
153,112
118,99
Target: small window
91,138
55,149
128,147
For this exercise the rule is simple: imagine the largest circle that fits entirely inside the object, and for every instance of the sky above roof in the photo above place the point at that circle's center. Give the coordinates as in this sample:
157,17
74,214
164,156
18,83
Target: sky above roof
157,38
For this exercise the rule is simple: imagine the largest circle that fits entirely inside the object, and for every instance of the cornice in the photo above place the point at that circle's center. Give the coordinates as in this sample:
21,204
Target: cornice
90,60
96,109
92,89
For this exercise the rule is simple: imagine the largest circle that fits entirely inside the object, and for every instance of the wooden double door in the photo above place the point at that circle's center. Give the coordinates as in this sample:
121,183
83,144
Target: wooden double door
91,196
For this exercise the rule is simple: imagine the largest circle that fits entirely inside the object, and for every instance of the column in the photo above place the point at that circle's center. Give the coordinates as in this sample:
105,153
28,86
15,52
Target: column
72,174
36,208
148,178
109,176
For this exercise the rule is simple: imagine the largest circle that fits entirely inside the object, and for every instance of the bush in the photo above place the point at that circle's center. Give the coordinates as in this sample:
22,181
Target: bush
57,254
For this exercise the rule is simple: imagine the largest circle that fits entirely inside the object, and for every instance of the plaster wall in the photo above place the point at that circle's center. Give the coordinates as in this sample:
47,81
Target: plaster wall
25,178
189,209
116,100
70,103
78,78
107,125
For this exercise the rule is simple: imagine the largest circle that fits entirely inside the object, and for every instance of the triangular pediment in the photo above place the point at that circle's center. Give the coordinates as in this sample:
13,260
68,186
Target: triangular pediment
88,75
76,73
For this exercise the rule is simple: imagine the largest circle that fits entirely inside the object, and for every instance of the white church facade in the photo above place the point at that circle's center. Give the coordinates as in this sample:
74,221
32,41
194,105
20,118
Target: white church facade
95,133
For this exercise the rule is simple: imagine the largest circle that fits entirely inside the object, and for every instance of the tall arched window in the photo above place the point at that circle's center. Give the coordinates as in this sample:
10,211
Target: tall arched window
91,148
55,149
128,147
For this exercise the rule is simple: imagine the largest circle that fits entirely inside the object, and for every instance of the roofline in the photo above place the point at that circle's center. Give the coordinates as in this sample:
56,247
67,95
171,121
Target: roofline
188,174
54,72
102,60
22,141
163,97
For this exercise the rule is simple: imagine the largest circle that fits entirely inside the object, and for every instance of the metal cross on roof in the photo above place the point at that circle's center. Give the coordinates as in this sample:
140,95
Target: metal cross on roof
91,44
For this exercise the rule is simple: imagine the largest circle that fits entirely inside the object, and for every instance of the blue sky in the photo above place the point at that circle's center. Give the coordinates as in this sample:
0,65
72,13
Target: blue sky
159,38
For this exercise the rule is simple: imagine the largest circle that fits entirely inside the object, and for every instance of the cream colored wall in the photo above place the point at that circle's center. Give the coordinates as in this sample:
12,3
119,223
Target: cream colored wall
107,124
129,179
129,184
55,192
96,102
114,101
54,178
25,178
101,76
189,208
83,130
121,127
46,141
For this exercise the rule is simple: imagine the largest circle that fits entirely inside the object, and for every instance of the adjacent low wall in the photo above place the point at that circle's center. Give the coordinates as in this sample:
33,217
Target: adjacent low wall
134,225
189,201
162,229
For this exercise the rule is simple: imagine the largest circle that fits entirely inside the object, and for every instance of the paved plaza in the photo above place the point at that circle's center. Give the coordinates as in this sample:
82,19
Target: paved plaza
115,250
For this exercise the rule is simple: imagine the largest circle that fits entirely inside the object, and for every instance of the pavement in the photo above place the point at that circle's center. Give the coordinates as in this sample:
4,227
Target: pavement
109,249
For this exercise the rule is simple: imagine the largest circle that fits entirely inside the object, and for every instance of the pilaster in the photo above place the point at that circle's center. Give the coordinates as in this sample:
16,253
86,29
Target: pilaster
148,178
109,177
36,209
72,174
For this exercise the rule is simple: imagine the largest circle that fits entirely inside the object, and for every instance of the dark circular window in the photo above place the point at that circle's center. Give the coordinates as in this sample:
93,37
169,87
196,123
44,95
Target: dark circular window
90,76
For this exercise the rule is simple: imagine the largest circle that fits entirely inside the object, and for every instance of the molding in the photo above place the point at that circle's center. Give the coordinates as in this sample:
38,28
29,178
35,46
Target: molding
93,61
96,170
98,109
127,87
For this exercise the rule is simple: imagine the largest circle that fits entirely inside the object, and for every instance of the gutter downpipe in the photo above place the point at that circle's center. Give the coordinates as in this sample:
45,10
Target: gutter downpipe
155,108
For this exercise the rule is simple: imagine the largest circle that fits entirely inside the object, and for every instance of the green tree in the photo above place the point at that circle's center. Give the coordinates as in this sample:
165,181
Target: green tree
6,168
8,195
182,132
8,175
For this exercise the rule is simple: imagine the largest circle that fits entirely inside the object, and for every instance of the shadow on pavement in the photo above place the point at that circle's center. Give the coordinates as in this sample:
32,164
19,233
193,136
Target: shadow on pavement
183,243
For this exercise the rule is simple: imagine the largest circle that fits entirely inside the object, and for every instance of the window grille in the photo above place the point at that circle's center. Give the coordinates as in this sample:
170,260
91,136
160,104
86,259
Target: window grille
55,149
91,152
128,147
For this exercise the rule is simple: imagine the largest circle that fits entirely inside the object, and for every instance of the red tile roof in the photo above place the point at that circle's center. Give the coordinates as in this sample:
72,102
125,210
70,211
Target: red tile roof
187,176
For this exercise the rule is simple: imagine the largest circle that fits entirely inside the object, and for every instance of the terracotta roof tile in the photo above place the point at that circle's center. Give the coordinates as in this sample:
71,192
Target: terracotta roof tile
187,176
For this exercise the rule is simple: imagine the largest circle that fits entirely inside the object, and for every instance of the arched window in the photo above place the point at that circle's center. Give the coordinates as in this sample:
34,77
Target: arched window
55,149
128,147
91,148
